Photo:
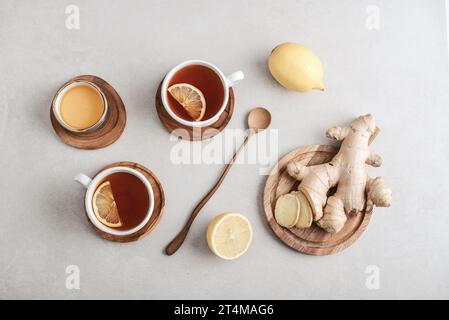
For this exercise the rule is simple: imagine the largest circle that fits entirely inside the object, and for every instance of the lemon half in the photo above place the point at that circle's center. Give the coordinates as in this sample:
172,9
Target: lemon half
229,235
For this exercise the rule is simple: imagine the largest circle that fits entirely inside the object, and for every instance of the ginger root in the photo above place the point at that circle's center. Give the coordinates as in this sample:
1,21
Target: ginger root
355,191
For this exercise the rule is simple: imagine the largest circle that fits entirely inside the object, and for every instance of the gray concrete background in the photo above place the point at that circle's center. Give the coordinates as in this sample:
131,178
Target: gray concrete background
398,72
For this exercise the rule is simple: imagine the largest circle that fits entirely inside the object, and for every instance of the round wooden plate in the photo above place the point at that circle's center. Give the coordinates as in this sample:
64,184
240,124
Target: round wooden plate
110,130
190,133
159,204
314,240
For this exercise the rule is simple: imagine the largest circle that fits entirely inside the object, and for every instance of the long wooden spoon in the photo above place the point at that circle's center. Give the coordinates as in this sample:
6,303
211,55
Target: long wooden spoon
258,120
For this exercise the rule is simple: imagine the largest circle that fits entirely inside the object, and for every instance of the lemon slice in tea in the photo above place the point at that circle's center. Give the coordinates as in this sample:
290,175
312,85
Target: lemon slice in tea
229,235
191,98
105,207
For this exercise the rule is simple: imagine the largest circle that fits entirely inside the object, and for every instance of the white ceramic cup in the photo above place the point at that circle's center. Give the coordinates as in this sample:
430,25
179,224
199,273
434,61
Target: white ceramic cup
92,184
58,99
227,82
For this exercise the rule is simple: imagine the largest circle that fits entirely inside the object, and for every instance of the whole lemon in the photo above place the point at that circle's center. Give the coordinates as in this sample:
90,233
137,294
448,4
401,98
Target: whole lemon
296,67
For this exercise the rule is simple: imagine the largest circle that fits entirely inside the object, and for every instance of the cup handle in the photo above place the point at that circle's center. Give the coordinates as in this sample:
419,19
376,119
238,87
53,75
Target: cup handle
83,179
235,77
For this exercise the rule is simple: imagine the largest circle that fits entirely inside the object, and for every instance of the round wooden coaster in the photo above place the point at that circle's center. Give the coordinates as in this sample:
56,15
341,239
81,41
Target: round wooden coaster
110,130
190,133
159,204
314,240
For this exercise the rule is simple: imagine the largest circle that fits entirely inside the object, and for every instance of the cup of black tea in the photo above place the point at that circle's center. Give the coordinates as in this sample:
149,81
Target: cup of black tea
118,201
195,93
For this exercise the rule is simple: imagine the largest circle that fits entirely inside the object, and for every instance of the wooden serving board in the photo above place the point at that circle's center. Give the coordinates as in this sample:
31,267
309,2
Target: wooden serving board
190,133
110,130
314,240
158,210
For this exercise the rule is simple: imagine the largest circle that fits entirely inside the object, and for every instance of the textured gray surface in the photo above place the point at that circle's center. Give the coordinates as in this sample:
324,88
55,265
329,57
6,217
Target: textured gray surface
398,72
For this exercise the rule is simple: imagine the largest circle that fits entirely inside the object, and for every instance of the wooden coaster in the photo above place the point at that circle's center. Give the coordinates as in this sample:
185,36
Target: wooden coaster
190,133
158,210
109,131
314,240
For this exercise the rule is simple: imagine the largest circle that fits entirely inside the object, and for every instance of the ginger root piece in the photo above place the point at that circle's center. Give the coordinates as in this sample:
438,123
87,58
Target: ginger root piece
334,217
287,210
317,192
347,170
317,210
305,213
377,193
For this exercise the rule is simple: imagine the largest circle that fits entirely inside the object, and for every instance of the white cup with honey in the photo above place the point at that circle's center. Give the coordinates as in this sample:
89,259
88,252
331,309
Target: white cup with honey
80,106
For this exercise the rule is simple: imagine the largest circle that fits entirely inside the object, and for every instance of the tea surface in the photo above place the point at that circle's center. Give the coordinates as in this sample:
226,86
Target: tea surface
204,79
131,197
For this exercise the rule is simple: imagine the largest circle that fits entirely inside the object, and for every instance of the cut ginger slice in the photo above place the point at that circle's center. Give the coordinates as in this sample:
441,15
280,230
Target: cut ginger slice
287,210
190,98
105,207
305,214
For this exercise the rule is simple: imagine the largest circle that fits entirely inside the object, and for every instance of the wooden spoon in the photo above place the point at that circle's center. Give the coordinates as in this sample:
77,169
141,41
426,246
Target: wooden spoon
258,120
